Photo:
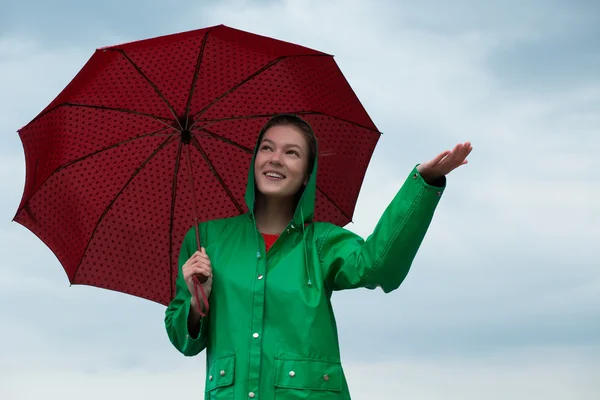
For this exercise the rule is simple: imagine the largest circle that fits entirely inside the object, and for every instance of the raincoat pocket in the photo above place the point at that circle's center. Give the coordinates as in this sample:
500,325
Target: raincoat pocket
220,378
301,379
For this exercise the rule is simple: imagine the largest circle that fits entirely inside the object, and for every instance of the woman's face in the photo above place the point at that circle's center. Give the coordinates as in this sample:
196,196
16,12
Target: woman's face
281,164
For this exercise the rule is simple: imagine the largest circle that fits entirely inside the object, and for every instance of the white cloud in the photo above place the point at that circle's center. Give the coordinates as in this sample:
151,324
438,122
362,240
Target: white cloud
34,76
511,248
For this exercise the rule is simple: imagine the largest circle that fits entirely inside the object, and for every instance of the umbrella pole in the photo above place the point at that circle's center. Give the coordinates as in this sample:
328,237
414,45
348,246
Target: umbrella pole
197,279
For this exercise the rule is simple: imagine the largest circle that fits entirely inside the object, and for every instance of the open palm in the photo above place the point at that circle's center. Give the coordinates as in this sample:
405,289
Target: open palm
446,162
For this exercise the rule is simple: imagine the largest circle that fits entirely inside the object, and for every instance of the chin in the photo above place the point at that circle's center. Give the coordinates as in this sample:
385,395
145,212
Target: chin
275,193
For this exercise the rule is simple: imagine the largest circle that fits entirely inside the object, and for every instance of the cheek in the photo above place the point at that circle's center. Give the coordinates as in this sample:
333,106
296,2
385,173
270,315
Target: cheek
258,161
301,169
256,166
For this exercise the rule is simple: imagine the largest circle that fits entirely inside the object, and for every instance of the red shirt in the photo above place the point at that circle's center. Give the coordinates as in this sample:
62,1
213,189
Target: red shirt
269,239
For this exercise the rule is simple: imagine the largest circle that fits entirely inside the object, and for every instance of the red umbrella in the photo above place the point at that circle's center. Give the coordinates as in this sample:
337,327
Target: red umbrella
109,163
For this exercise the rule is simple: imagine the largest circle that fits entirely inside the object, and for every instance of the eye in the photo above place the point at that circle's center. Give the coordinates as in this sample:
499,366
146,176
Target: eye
293,152
265,147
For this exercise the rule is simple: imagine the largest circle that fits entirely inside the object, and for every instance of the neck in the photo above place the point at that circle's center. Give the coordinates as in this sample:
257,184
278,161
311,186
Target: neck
273,215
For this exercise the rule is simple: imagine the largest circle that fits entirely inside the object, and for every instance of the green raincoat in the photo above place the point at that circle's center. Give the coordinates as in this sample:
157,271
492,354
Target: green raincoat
271,332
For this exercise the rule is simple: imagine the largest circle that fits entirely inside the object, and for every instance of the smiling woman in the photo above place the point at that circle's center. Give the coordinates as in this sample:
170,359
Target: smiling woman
283,164
270,332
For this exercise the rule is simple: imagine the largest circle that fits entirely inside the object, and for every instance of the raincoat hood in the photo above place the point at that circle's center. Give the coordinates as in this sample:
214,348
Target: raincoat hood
305,209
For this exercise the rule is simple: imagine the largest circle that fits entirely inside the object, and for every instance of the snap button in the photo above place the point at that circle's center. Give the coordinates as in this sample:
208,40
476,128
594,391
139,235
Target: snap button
260,277
326,377
251,395
292,374
415,176
255,335
210,378
222,373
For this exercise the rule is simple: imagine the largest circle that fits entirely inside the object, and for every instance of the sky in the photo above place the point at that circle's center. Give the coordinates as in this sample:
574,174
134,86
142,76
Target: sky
503,299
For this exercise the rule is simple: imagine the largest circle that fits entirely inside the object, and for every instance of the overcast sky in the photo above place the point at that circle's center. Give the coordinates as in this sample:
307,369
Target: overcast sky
503,300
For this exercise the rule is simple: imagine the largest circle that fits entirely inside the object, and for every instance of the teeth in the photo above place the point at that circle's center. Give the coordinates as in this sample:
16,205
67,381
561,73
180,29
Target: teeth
274,175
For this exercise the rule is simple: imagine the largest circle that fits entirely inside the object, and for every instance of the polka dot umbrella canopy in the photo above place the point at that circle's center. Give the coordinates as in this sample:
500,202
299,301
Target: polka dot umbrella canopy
152,134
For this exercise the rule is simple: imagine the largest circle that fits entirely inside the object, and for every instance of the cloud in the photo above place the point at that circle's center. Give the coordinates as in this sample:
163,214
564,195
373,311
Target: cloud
35,76
503,297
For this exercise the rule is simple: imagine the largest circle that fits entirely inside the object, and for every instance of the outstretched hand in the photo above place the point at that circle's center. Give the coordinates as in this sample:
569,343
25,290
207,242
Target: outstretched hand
445,162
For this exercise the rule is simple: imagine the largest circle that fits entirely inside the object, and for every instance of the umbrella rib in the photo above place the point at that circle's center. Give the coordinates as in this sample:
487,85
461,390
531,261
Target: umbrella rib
109,207
122,110
251,76
112,146
70,163
156,89
224,139
217,175
343,120
196,73
257,116
173,199
334,204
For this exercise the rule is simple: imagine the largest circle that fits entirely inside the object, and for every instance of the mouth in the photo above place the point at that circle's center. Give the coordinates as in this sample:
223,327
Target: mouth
274,175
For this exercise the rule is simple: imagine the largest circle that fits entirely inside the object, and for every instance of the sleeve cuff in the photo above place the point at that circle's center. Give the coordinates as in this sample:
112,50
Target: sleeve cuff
189,338
438,185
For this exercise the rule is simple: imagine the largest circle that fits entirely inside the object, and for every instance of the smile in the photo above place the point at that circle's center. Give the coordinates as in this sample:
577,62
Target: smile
274,175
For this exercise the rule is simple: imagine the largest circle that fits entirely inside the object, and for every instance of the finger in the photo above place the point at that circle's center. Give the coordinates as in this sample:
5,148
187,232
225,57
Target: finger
470,149
440,157
195,256
199,270
193,260
451,158
199,256
204,271
202,253
203,266
464,153
199,261
202,259
454,161
196,262
466,148
461,151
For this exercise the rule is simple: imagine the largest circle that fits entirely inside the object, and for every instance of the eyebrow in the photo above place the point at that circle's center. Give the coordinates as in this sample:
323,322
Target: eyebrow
287,145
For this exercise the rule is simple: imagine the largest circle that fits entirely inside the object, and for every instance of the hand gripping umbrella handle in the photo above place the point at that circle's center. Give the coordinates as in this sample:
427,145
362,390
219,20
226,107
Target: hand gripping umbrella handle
197,284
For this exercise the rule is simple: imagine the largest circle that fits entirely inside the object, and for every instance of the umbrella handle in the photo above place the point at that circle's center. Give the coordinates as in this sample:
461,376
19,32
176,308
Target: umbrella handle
197,285
196,220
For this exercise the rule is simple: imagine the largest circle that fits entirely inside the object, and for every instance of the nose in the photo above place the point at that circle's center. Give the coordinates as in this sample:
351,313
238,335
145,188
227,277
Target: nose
275,158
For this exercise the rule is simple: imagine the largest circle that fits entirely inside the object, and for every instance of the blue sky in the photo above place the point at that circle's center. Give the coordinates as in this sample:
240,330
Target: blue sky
503,300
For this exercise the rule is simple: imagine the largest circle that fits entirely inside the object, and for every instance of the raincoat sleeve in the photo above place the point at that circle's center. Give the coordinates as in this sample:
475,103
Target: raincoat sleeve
384,259
176,315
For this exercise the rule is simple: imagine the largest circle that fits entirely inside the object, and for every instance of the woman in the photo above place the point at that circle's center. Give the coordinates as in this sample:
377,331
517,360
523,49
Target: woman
270,332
